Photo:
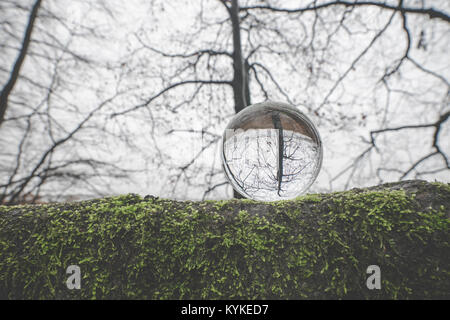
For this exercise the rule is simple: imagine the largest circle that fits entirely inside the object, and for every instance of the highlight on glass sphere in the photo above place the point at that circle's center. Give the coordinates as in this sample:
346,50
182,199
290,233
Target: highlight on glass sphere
271,151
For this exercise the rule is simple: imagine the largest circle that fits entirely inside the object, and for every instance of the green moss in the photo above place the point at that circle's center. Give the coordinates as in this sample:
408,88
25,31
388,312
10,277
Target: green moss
310,197
317,246
442,187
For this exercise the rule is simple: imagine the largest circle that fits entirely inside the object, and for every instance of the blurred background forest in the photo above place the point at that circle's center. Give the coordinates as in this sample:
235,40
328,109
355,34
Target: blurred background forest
103,97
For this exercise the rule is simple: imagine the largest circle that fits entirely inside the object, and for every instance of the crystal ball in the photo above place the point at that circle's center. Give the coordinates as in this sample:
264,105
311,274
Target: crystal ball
271,151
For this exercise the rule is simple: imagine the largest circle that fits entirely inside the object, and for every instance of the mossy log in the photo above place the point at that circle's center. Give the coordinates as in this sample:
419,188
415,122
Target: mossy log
315,247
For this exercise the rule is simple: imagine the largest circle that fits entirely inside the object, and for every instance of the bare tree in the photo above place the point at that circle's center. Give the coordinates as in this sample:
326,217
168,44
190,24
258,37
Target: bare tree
44,133
316,57
372,75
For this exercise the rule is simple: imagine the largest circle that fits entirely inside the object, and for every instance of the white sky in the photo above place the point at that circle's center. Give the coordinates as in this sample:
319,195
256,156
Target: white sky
166,30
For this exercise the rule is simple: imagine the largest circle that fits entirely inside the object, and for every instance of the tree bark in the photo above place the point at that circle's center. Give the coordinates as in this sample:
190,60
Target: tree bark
240,83
238,62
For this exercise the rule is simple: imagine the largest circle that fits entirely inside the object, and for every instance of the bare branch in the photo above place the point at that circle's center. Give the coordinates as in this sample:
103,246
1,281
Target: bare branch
6,91
166,89
432,13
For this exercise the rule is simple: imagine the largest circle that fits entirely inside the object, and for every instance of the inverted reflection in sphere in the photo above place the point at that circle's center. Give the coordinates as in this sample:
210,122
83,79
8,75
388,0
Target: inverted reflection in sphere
271,151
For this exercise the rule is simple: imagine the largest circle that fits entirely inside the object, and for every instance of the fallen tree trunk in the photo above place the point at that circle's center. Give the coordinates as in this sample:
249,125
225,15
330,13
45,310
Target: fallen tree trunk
316,247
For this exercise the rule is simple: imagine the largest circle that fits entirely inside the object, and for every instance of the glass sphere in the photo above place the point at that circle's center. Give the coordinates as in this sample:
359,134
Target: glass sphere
271,151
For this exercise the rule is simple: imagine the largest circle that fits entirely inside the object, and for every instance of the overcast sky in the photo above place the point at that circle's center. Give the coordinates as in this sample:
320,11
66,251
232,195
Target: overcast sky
360,103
